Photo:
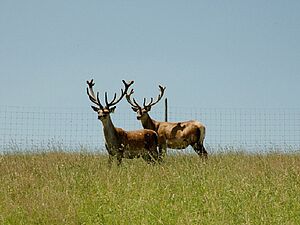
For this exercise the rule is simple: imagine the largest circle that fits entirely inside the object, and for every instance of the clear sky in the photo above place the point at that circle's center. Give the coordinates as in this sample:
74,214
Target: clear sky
207,53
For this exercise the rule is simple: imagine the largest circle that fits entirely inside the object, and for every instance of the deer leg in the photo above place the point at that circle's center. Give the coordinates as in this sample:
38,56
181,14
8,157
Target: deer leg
147,157
119,157
110,156
200,150
198,146
203,152
161,152
150,146
154,154
119,160
151,156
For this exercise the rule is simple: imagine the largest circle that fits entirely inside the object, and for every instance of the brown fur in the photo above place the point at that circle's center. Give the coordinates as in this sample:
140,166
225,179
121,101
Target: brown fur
130,144
178,135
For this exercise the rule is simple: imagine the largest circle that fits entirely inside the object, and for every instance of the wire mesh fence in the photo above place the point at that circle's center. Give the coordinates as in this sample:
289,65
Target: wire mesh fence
73,129
247,129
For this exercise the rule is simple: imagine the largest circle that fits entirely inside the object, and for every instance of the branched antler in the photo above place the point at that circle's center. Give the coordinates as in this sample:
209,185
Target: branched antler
151,103
123,93
134,104
113,102
91,93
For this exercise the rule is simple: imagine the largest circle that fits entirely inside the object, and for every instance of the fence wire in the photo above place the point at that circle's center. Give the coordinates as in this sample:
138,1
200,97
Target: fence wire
73,129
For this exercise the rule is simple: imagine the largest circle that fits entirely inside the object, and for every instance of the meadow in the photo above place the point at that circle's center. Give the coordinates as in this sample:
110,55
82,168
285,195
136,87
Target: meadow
79,188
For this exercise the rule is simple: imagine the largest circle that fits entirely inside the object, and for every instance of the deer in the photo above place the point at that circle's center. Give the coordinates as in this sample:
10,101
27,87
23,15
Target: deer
173,135
118,142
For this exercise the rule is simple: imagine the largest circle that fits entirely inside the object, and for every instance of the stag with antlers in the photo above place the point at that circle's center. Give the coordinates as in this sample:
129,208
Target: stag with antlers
174,135
120,143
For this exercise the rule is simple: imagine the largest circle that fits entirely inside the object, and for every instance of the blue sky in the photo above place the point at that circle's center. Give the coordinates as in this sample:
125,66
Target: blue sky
240,54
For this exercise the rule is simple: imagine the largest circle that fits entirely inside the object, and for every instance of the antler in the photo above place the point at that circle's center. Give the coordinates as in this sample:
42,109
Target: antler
151,103
123,93
91,93
134,104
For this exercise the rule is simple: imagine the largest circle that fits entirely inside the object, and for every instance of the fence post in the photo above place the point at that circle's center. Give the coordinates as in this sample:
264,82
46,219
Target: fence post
166,109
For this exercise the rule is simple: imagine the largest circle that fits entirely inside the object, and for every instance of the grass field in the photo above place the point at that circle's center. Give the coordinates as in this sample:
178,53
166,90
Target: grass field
79,188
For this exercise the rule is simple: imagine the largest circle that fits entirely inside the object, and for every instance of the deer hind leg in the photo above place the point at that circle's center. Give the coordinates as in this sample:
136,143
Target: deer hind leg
154,154
162,147
200,150
203,152
150,146
147,158
151,155
162,151
198,146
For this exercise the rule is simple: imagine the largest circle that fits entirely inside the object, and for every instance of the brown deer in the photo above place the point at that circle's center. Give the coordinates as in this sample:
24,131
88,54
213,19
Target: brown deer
176,135
118,142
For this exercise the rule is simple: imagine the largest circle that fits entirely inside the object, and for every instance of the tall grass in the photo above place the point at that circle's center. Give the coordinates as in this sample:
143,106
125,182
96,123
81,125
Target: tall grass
70,188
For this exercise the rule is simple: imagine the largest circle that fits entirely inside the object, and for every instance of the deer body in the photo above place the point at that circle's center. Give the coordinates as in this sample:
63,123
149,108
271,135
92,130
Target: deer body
177,135
180,135
130,144
174,135
120,143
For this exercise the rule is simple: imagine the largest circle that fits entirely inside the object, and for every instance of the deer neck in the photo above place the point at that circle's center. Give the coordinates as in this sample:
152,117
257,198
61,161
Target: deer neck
149,123
110,132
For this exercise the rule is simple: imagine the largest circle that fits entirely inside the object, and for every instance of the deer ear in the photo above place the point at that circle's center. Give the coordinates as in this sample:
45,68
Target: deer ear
95,108
134,109
112,110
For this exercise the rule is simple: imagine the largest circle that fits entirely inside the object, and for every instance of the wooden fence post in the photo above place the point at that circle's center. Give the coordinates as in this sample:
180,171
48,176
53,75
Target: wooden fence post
166,109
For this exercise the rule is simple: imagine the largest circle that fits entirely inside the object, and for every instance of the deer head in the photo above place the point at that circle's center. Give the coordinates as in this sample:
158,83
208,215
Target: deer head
142,111
104,111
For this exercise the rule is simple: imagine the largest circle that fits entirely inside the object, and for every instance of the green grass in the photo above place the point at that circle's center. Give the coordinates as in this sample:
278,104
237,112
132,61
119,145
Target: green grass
70,188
